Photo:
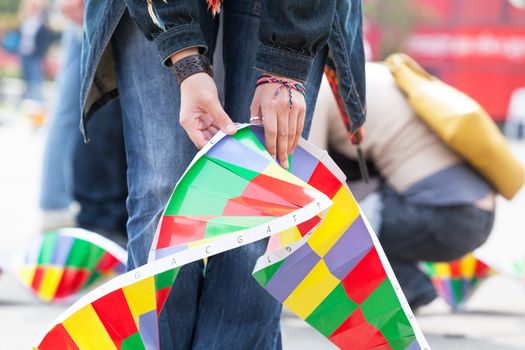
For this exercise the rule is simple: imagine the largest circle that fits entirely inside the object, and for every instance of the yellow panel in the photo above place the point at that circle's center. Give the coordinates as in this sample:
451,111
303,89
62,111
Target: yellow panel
340,216
202,242
141,297
311,291
290,236
442,270
26,274
87,331
277,172
50,281
467,266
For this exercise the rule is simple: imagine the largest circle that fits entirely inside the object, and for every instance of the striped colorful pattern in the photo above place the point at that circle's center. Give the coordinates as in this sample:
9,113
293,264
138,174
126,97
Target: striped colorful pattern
124,319
457,280
326,266
60,264
334,278
253,190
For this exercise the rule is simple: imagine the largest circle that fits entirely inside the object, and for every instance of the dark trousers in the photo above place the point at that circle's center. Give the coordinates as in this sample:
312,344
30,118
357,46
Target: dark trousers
411,233
100,185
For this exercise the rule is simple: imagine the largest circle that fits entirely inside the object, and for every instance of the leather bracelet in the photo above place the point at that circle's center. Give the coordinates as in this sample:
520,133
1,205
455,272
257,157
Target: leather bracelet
190,65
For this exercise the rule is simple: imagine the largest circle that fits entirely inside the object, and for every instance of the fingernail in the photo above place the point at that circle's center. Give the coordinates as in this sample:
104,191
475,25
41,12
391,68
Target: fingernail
285,164
274,156
230,128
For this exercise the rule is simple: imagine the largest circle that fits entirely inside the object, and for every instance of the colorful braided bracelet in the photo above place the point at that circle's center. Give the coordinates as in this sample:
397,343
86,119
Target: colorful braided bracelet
289,85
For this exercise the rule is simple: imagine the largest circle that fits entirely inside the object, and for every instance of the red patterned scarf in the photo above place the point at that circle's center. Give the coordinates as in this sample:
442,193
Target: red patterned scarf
214,6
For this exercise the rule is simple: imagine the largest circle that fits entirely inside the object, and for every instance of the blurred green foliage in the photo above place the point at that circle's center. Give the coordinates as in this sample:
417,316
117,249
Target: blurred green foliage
396,19
8,13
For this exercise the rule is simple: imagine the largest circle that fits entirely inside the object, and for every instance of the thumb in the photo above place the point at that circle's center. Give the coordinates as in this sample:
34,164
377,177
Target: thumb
220,118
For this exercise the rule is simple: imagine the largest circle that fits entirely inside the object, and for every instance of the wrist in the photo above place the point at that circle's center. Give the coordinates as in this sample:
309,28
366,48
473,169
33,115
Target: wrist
190,65
177,56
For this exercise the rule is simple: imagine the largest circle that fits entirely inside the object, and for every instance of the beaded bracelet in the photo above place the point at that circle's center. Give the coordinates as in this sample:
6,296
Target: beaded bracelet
268,79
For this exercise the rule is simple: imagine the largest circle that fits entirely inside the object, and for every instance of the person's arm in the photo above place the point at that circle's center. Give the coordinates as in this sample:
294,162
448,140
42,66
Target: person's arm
291,34
172,25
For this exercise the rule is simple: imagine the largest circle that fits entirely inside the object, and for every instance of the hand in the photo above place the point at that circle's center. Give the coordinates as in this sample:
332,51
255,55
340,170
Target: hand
73,10
282,126
201,113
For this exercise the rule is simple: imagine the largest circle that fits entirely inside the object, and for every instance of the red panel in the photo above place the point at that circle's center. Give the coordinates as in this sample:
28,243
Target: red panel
241,206
58,338
455,270
107,262
113,311
37,278
72,280
177,230
481,269
356,333
366,276
306,226
162,295
324,180
276,191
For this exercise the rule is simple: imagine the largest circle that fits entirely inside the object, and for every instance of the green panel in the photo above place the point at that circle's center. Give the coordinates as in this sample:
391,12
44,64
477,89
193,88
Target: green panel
216,184
166,278
245,173
84,255
47,248
332,312
190,201
457,290
383,310
264,275
227,224
133,342
95,276
208,175
247,138
429,268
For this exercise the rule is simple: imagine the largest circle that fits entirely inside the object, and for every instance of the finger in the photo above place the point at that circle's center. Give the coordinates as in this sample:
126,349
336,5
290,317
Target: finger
270,130
197,137
292,129
208,135
282,137
220,118
300,125
213,129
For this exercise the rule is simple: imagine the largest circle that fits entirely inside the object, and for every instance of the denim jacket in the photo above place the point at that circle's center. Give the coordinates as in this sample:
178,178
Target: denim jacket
291,34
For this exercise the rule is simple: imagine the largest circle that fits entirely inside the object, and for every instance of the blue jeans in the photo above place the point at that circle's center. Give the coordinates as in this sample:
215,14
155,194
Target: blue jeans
57,172
99,169
94,174
33,74
411,233
222,306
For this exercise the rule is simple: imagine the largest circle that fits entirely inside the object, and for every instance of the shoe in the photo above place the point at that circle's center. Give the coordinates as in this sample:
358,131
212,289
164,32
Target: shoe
59,218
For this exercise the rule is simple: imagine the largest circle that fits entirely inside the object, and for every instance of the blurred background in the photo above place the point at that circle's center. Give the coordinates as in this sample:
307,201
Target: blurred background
477,46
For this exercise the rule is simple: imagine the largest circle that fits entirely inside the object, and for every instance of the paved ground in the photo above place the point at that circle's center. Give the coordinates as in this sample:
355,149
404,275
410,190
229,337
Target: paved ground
494,318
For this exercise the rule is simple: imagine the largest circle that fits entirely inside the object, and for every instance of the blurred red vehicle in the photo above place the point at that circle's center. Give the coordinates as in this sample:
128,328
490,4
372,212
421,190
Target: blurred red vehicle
477,46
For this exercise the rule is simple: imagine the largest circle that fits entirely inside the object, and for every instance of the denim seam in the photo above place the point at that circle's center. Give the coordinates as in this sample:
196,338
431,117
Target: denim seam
283,52
183,28
165,37
353,89
347,59
300,70
86,115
